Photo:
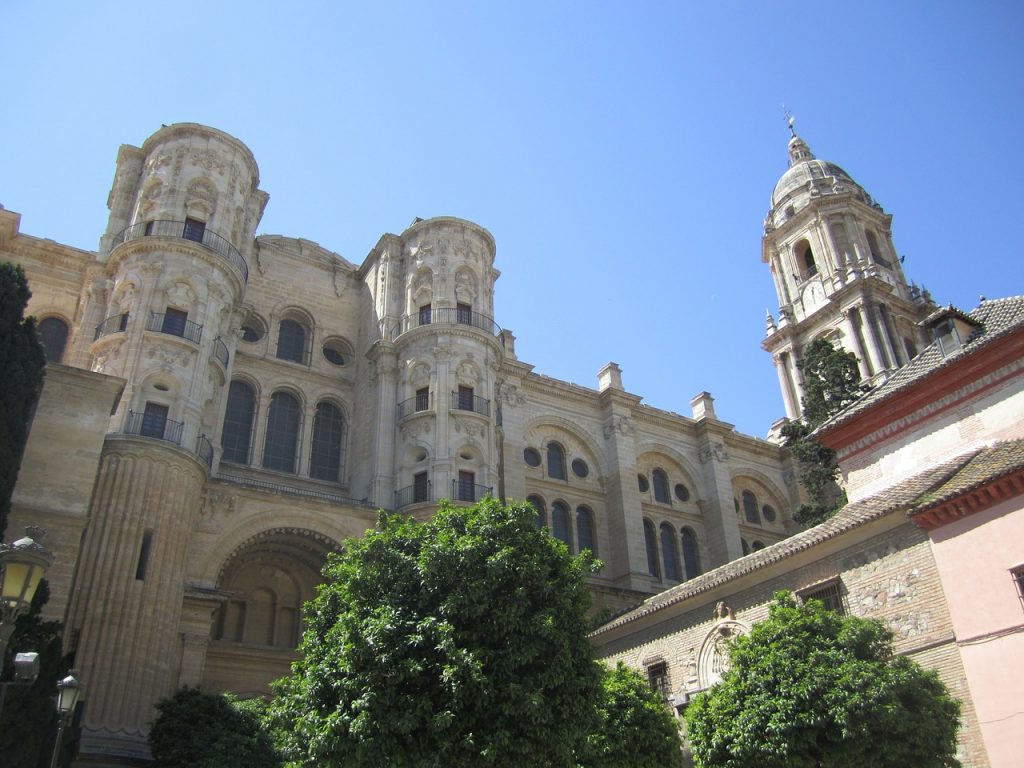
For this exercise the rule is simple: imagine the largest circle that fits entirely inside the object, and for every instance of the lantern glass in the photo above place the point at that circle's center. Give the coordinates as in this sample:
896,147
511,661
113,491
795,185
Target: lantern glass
68,691
20,580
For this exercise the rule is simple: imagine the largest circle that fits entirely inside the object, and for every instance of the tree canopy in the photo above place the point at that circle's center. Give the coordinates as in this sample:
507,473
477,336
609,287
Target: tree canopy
635,729
209,730
21,371
459,641
831,383
809,688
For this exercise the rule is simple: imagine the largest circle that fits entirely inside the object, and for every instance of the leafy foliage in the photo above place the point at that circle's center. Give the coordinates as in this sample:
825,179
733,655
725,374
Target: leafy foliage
635,729
460,641
208,730
809,688
831,383
29,721
21,371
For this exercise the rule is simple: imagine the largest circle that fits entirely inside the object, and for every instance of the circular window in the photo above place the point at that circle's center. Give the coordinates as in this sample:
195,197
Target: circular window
336,352
682,492
641,481
532,457
768,512
580,468
253,329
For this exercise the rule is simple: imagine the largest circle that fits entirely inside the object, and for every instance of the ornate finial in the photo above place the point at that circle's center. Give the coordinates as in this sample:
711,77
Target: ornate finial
790,120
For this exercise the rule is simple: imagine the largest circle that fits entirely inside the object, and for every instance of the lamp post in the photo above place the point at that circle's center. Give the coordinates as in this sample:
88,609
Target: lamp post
68,691
22,565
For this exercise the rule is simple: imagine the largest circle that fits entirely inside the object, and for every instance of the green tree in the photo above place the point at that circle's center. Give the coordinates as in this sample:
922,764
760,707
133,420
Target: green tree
635,729
809,688
209,730
21,379
29,722
831,383
460,641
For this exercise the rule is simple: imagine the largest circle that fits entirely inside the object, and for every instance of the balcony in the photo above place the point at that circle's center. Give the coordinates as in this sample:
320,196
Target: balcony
420,403
462,401
463,490
175,324
113,324
446,316
417,493
148,425
185,230
220,351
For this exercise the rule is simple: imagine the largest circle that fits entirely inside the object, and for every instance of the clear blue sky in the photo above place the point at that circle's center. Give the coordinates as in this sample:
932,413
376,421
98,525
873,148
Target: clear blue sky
622,154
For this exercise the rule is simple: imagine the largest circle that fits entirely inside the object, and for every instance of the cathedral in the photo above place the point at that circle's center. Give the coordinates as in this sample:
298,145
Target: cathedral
222,409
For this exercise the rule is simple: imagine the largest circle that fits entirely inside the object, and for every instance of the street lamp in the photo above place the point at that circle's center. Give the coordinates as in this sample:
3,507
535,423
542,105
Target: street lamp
22,565
68,691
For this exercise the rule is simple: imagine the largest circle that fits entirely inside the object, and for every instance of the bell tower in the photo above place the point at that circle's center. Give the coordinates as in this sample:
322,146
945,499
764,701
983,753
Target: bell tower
837,275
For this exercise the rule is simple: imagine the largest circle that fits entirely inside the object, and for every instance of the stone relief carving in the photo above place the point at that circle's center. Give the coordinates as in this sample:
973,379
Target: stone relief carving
413,429
713,659
509,394
621,424
466,427
208,160
716,451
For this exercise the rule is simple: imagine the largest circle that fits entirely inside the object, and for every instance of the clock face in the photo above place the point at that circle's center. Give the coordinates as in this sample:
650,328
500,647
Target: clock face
813,296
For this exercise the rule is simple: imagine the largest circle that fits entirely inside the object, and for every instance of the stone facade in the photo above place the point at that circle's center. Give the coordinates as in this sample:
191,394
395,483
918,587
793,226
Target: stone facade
248,403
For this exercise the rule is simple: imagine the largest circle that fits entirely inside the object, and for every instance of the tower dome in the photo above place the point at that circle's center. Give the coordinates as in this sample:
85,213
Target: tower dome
809,177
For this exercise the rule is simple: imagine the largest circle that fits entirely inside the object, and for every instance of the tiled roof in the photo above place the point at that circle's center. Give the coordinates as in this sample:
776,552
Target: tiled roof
998,317
901,496
986,466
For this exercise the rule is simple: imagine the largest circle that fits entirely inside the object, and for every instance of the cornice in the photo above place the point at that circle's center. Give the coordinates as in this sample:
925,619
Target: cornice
988,494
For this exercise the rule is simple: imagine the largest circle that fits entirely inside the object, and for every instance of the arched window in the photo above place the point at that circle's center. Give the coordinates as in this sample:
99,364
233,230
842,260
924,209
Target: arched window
669,552
876,252
291,341
556,461
542,513
756,545
746,547
750,508
282,433
691,557
585,530
236,436
660,481
53,334
325,452
805,257
560,523
651,540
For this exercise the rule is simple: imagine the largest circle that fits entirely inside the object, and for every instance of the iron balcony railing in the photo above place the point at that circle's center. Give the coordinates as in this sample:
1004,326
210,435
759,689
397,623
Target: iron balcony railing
446,316
415,404
417,493
465,402
113,324
204,450
463,490
174,325
153,426
186,231
220,351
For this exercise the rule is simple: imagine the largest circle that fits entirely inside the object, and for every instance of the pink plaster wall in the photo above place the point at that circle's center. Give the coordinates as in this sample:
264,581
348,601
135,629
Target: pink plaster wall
974,556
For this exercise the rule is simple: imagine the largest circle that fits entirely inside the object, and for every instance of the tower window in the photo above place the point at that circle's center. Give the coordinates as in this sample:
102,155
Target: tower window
283,420
464,314
660,480
154,421
291,341
466,486
425,314
420,487
174,322
238,415
194,230
325,453
556,462
53,334
422,399
809,265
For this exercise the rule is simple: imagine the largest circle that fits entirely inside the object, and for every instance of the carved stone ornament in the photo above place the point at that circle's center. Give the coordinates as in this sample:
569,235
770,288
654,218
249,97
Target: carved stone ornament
716,451
621,424
510,395
713,659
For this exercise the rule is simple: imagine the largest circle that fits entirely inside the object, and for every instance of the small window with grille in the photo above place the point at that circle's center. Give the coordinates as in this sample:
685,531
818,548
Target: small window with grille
1018,579
829,592
657,677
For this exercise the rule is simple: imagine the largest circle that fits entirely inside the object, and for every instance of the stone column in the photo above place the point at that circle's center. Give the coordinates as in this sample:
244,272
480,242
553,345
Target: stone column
720,523
851,333
781,368
384,372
